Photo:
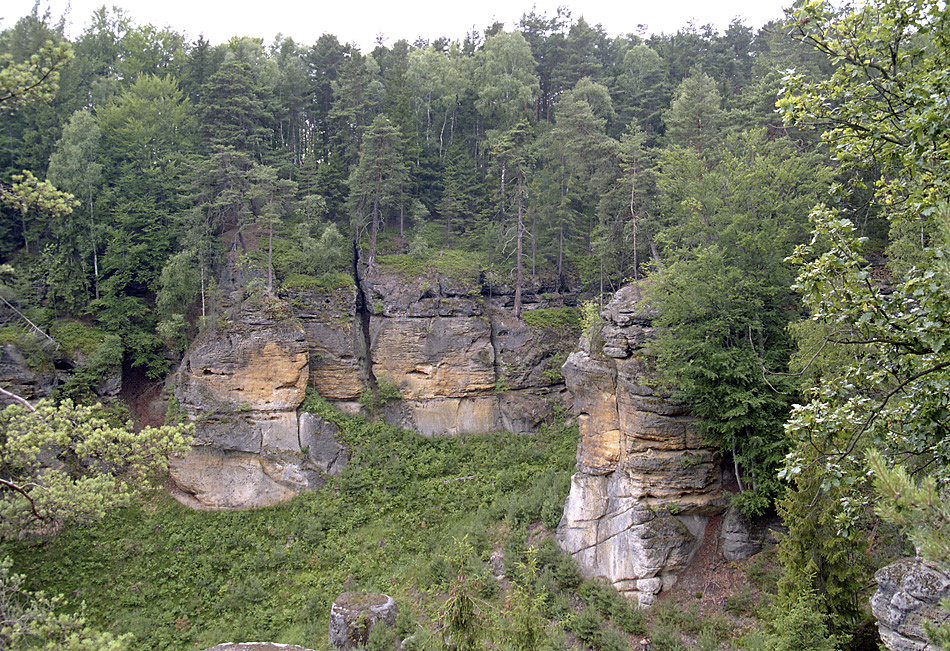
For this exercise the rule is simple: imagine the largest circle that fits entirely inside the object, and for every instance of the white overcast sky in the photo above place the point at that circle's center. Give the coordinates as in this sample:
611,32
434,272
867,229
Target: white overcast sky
360,21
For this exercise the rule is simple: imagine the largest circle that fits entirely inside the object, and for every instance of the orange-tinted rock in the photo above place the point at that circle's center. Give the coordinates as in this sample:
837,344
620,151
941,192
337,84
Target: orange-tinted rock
645,483
241,385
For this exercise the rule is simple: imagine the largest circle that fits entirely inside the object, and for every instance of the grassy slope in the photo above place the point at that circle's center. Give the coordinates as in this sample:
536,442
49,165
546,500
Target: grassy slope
424,520
183,579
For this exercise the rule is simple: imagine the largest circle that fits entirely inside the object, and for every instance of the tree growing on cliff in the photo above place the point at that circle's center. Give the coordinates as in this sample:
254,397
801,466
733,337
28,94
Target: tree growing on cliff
377,182
724,299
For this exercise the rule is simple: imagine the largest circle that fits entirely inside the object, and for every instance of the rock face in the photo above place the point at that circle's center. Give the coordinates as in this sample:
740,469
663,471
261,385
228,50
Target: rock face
353,614
17,376
645,484
908,594
460,361
335,350
742,538
242,384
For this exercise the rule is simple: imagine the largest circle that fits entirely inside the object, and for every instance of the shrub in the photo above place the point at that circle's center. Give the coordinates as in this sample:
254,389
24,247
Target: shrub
563,319
586,627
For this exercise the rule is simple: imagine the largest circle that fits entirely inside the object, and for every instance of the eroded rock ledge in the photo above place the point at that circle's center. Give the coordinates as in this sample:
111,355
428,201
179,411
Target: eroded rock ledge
241,385
646,485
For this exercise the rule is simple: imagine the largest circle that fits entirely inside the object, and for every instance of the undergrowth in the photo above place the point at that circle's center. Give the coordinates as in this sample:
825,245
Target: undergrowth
178,578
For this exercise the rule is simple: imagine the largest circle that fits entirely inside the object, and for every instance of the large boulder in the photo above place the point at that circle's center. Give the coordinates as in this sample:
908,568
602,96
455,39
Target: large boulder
908,595
646,483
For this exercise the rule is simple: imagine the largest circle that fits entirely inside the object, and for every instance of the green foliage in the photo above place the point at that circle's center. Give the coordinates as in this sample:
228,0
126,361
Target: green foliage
102,363
921,510
69,463
376,184
34,349
175,577
664,637
724,303
77,337
563,319
383,393
887,130
714,349
695,112
802,626
381,638
586,627
543,500
461,266
38,203
35,79
31,621
326,282
591,322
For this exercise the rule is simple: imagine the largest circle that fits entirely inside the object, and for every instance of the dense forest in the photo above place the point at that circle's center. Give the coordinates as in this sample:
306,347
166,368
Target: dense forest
781,192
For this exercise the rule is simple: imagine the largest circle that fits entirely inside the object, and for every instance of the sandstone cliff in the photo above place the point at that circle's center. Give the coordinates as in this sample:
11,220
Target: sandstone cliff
646,485
241,384
460,361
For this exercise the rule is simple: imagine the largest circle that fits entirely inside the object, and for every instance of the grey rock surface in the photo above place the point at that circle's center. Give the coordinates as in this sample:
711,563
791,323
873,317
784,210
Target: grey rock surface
646,484
353,614
908,595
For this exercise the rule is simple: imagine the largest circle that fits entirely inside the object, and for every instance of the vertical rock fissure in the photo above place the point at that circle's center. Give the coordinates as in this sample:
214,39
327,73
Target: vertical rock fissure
361,335
494,349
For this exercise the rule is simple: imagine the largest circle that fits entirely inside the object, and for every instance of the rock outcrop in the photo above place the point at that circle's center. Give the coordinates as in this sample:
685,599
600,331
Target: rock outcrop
908,595
742,538
242,384
452,350
460,359
18,376
646,484
353,614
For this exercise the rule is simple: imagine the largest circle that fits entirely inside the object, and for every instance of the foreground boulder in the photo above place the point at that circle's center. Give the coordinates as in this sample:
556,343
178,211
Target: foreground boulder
908,595
353,614
646,484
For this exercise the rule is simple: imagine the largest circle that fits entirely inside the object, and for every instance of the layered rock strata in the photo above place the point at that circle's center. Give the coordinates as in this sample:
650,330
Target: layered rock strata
241,385
460,359
453,351
646,484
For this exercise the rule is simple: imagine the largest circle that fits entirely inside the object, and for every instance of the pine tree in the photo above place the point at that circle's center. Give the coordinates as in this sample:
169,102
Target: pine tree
377,182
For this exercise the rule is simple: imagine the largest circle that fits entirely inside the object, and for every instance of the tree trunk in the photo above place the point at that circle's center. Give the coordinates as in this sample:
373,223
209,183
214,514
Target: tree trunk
520,238
633,220
655,252
374,229
270,257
